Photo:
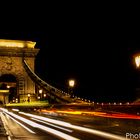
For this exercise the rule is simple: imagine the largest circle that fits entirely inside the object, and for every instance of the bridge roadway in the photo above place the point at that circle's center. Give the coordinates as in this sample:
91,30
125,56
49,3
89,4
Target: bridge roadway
43,126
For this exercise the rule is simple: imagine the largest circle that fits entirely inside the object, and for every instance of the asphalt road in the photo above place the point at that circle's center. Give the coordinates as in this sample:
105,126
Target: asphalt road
29,126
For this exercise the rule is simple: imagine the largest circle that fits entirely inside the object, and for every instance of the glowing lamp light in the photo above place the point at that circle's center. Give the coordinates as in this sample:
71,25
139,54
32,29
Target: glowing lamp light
40,91
137,61
44,95
71,83
8,86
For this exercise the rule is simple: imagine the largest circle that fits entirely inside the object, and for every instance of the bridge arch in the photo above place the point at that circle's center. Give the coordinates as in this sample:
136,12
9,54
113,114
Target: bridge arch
8,82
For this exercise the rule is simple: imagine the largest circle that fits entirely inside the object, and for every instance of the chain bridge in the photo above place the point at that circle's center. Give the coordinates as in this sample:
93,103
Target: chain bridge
18,81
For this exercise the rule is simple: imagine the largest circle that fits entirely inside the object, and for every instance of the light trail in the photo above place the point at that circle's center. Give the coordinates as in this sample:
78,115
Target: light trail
29,130
46,119
100,114
65,124
76,112
119,116
5,123
44,128
68,130
15,110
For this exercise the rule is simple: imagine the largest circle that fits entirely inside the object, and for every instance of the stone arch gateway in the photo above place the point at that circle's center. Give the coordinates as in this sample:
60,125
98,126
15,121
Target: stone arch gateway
12,53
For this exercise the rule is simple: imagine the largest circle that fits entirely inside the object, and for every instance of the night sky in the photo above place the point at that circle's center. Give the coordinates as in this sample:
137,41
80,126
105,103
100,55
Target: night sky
94,49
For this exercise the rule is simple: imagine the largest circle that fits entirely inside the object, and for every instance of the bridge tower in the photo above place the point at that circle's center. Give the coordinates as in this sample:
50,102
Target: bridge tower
12,53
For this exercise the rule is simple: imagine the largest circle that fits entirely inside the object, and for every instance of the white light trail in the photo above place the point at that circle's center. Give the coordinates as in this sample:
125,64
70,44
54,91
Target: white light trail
88,130
68,130
5,123
46,119
15,110
20,124
44,128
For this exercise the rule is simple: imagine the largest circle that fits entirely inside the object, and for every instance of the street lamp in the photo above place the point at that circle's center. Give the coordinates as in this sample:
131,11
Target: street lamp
38,97
71,85
137,61
8,86
44,95
40,92
29,98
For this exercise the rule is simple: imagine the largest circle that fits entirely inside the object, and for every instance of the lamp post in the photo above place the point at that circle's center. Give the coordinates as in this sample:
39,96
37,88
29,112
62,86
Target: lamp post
40,92
137,61
29,98
44,95
71,85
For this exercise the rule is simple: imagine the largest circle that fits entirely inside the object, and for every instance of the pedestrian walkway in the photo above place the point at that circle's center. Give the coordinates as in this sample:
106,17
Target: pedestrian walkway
3,135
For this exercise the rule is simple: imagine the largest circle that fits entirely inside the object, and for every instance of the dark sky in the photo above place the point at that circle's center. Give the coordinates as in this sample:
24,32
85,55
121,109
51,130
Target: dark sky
95,48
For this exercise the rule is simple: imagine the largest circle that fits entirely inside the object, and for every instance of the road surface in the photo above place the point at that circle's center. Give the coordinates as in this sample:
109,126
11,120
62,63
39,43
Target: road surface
32,126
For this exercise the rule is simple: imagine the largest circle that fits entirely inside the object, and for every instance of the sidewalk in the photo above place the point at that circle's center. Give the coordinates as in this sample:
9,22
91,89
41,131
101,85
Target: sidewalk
3,135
